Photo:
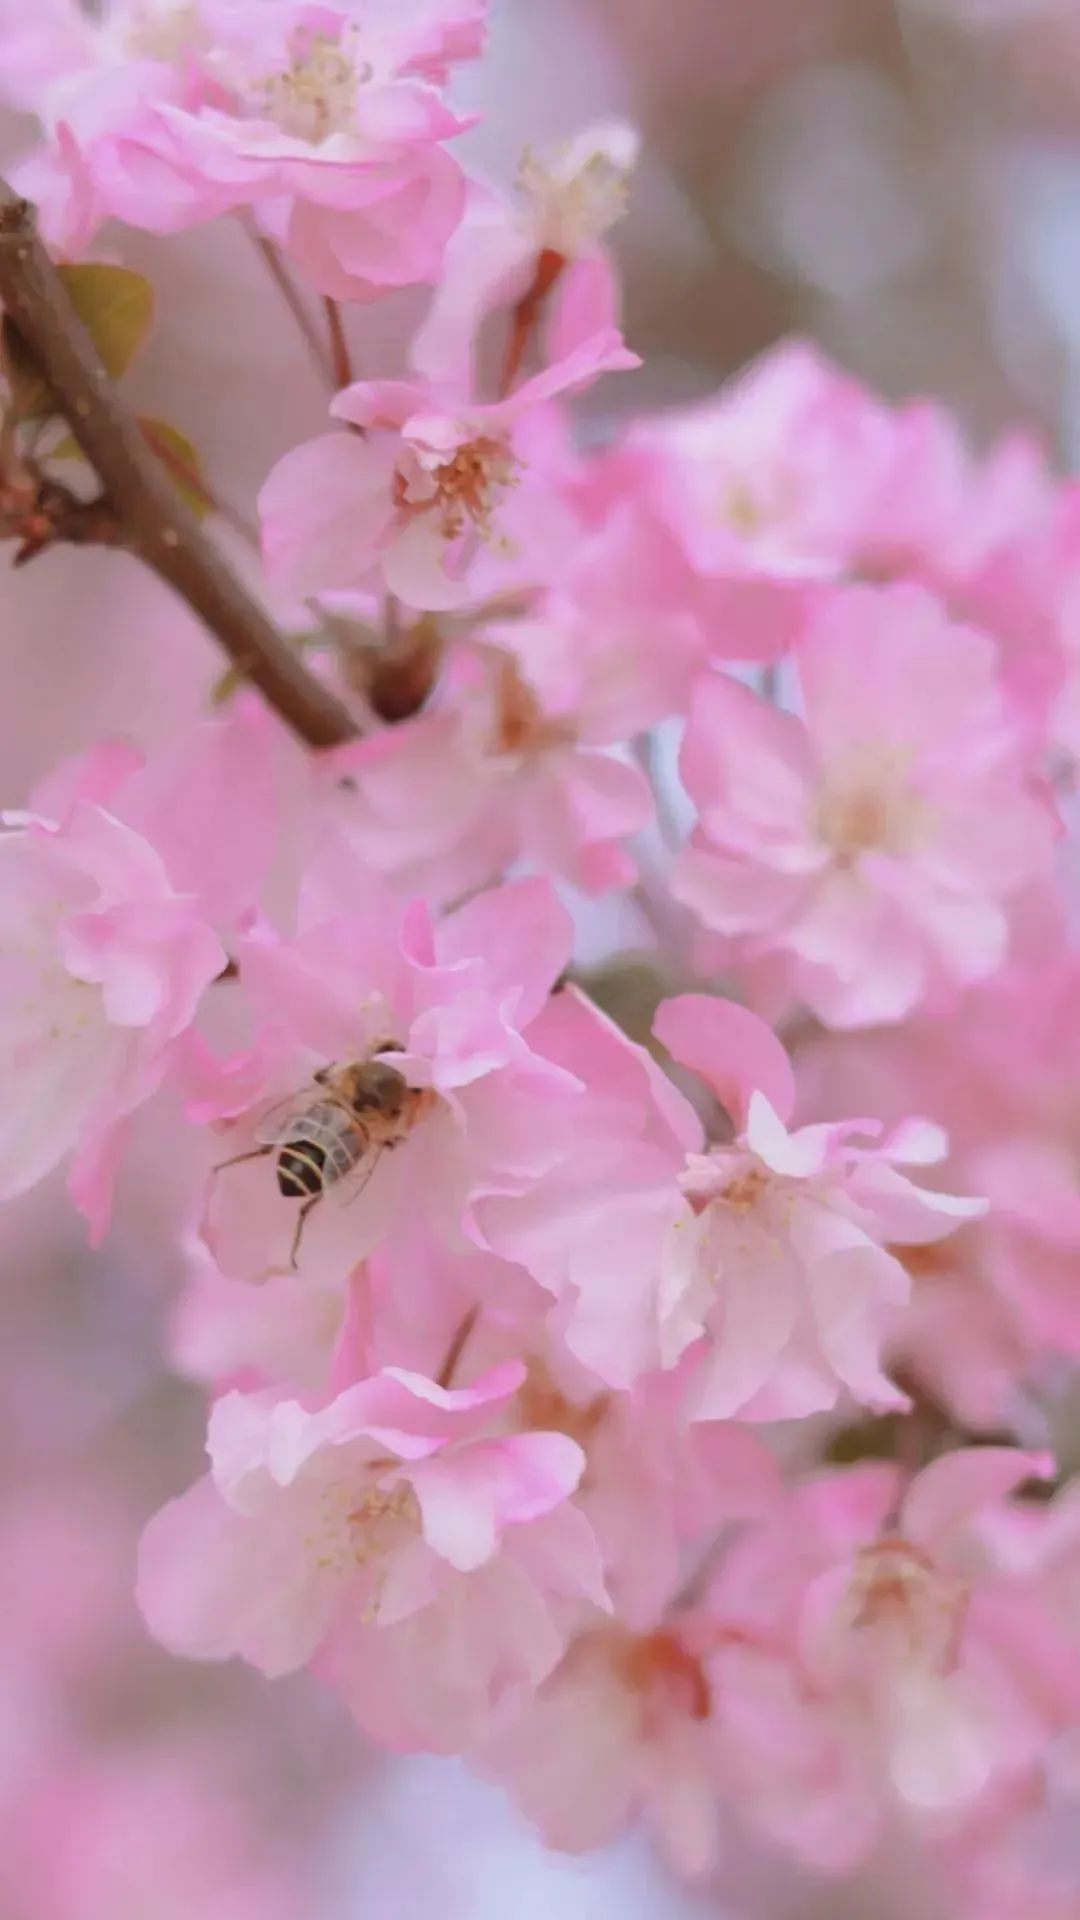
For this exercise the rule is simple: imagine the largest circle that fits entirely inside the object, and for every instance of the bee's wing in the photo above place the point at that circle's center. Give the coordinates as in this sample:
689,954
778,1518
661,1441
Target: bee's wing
276,1122
352,1184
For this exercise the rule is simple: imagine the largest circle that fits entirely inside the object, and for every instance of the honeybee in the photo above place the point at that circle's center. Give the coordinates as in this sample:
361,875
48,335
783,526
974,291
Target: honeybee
340,1126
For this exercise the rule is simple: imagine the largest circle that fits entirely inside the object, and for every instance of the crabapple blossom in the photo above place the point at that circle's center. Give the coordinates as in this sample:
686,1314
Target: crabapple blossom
877,840
544,252
564,1167
448,1005
411,498
363,1507
871,1651
997,1070
327,123
103,966
621,1730
510,766
117,892
761,1263
738,487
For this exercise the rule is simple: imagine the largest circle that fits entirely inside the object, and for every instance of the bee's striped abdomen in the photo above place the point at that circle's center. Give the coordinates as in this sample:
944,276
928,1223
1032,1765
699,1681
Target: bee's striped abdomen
301,1169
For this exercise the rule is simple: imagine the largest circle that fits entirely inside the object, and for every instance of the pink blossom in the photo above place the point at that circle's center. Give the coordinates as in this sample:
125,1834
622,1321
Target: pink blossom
411,499
871,1652
448,1007
546,246
650,1475
762,1259
881,864
994,1311
361,1510
332,124
619,1731
943,516
103,967
429,1681
511,763
761,493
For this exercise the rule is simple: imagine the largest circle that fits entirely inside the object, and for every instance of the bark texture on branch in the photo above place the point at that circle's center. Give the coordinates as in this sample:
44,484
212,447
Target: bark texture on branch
156,523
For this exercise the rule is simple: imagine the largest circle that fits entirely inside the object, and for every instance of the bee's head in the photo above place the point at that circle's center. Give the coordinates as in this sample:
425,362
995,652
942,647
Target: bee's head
321,1076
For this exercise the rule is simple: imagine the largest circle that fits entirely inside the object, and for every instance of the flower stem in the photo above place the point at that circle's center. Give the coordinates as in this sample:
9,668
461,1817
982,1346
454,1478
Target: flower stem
340,360
286,287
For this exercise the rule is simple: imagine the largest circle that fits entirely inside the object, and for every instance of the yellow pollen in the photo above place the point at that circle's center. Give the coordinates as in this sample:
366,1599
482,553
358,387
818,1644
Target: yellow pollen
747,1189
854,823
375,1523
870,803
315,95
573,206
897,1588
470,484
742,510
351,1533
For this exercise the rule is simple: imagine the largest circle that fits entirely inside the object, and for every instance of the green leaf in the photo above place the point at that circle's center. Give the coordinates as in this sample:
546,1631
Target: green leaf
875,1438
115,305
67,449
628,989
180,460
226,685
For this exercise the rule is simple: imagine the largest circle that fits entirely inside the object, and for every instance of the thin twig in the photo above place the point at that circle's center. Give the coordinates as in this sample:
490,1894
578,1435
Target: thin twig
340,358
155,521
283,281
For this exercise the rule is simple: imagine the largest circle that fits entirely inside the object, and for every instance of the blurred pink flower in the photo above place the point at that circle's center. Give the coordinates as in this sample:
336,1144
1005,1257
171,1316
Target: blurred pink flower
871,1654
620,1731
877,841
102,968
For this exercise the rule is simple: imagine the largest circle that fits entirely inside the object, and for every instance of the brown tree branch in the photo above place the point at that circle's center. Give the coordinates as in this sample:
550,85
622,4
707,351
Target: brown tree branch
156,523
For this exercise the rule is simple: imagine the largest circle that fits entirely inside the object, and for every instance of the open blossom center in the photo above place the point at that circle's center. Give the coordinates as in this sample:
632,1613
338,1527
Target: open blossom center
315,95
872,812
913,1610
464,490
353,1531
727,1180
754,501
666,1677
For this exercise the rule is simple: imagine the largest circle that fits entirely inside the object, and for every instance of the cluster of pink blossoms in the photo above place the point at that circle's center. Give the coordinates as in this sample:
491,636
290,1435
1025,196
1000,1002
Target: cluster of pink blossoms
513,1325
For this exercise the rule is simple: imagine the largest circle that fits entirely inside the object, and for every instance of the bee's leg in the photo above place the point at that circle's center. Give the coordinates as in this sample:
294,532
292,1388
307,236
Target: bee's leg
253,1153
301,1217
